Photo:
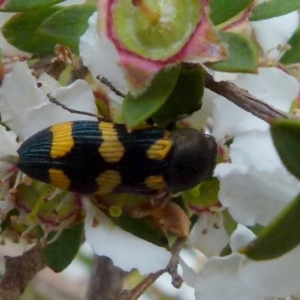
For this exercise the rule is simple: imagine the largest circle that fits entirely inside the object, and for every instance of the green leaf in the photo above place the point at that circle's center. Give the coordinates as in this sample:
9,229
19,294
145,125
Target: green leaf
242,55
22,31
21,5
292,56
278,238
185,98
226,251
66,26
221,11
62,251
256,229
274,8
204,195
285,134
137,109
229,223
141,228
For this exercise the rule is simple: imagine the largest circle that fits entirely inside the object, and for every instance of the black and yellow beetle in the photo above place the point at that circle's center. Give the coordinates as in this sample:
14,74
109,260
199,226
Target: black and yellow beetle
94,157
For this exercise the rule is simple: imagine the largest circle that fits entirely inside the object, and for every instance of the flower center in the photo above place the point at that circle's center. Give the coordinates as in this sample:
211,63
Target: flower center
154,29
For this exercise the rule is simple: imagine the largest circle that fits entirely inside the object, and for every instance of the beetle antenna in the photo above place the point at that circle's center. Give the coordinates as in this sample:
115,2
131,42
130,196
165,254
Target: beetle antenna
106,82
73,111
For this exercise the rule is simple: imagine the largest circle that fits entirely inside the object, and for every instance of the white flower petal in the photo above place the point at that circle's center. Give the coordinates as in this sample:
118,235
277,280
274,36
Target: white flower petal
219,280
100,56
255,186
237,277
229,119
126,250
223,76
6,204
271,85
77,95
213,241
189,275
8,143
255,149
71,2
5,168
270,33
194,259
278,277
47,83
241,237
19,91
164,286
255,196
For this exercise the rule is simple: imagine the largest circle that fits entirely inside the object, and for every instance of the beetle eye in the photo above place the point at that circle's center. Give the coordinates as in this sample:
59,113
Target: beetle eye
193,159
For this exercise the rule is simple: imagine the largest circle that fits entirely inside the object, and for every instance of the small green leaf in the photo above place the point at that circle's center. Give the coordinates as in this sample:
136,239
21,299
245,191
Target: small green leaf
221,11
62,251
66,26
185,98
21,5
226,251
242,55
137,109
285,134
274,8
278,238
229,223
204,195
21,31
293,55
141,228
28,5
256,229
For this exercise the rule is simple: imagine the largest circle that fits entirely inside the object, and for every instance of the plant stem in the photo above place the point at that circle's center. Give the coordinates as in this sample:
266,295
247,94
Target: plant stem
245,100
19,271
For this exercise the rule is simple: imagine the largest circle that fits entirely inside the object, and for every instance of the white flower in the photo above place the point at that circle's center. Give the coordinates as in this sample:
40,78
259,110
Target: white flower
255,186
208,234
100,56
270,38
125,250
236,277
271,85
26,109
8,154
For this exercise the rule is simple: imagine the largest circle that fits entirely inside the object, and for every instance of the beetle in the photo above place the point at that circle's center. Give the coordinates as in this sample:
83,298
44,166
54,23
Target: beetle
97,157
